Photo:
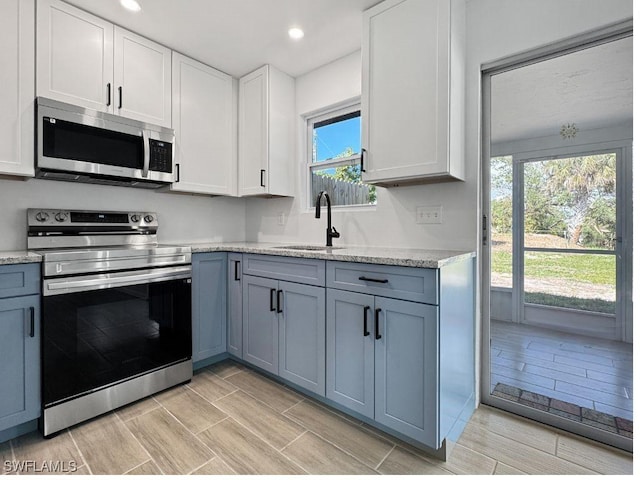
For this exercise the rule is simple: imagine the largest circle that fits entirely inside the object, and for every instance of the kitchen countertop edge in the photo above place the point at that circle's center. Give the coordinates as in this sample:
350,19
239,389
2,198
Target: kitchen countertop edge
19,256
375,255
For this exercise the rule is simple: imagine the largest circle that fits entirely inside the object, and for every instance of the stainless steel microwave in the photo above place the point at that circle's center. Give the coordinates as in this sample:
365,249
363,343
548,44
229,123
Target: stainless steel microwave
78,144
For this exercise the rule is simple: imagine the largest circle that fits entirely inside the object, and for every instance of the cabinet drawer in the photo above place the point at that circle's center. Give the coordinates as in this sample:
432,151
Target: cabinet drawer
299,270
19,280
404,283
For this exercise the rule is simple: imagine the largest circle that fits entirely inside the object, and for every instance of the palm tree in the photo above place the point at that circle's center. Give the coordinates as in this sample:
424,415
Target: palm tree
577,183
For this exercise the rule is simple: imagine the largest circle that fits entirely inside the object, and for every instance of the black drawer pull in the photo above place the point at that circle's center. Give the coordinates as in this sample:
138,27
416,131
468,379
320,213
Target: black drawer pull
280,304
377,280
32,332
271,307
236,274
366,332
378,336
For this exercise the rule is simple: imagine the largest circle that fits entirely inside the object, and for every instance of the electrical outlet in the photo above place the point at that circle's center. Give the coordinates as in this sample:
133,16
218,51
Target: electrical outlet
431,214
281,218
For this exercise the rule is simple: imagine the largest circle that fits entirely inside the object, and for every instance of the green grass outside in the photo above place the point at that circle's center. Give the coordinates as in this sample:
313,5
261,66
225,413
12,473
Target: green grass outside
597,269
589,304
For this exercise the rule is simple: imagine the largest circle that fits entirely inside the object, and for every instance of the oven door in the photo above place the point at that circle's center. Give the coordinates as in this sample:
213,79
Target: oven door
99,330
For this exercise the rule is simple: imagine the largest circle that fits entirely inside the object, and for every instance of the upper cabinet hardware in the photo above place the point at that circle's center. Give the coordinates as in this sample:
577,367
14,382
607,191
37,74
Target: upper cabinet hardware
119,97
108,94
362,152
262,172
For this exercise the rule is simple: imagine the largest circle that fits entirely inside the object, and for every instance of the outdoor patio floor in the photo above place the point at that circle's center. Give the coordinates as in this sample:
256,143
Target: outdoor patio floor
591,373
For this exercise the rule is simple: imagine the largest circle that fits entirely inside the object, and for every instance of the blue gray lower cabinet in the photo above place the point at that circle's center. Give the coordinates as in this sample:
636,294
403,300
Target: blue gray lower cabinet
260,322
19,360
209,305
382,361
301,346
403,364
283,329
234,304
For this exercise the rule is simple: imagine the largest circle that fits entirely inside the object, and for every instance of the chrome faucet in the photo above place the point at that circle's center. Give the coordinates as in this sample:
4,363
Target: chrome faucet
331,231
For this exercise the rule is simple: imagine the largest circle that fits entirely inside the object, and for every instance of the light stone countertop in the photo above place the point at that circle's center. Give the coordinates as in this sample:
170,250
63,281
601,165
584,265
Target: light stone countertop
406,257
19,256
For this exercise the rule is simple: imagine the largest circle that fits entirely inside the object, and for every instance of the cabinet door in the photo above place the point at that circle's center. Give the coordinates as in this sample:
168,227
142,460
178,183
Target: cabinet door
253,133
18,87
350,350
202,112
209,300
260,322
19,360
234,304
405,89
302,335
142,77
74,56
406,368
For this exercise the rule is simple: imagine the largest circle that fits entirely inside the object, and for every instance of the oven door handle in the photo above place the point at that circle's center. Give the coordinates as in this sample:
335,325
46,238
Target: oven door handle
111,280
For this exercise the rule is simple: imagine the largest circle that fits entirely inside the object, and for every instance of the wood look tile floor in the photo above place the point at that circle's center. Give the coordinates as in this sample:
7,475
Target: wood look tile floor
232,420
590,372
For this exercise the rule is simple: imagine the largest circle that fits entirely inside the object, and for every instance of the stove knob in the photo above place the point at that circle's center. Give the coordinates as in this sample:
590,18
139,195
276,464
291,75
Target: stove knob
135,218
61,216
42,216
148,218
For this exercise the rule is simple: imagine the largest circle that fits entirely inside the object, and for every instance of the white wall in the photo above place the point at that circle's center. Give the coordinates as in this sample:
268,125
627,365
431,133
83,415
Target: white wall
495,29
183,218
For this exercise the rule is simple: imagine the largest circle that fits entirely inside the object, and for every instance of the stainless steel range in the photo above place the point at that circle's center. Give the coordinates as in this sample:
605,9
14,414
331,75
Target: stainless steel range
116,312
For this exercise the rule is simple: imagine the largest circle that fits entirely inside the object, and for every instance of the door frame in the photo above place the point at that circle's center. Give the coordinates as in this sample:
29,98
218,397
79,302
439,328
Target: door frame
592,38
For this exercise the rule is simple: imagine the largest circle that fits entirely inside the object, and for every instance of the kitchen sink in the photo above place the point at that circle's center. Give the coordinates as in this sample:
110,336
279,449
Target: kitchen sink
307,247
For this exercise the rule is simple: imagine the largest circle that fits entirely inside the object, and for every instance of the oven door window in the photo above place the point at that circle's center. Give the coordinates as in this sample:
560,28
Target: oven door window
95,338
73,141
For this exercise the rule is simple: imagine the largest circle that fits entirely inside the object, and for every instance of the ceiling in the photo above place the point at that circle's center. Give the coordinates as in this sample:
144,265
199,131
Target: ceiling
238,36
592,88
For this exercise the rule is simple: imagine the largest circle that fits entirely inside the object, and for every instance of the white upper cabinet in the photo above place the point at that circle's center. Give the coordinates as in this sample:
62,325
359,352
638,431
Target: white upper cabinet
413,91
142,76
84,60
203,119
17,92
266,115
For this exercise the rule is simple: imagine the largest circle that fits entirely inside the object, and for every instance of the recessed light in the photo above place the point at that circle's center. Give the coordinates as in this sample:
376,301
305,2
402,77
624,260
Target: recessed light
131,5
296,33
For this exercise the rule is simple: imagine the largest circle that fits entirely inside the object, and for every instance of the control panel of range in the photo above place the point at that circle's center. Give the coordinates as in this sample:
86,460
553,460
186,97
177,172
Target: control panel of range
85,218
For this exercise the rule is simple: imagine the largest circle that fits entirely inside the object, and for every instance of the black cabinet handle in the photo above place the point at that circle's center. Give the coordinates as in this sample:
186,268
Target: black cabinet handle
364,320
262,172
271,307
177,173
362,152
119,97
108,94
236,273
32,332
280,306
378,336
377,280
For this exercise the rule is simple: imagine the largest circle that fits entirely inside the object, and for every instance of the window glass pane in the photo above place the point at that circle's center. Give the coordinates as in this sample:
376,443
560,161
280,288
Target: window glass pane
501,221
571,280
343,185
336,138
571,203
